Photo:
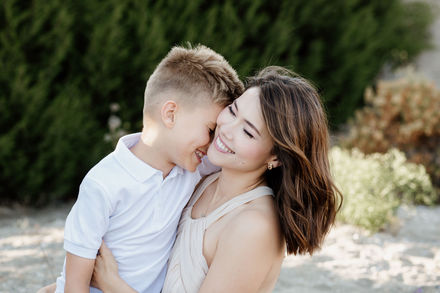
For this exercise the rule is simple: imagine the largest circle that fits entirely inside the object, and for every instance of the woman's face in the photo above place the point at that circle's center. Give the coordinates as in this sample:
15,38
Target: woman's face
241,140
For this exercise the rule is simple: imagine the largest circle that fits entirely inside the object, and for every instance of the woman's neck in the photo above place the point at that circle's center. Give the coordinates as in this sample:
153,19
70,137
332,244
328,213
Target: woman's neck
232,183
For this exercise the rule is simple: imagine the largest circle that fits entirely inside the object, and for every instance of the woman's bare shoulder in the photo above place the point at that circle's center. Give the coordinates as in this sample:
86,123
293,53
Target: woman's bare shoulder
257,223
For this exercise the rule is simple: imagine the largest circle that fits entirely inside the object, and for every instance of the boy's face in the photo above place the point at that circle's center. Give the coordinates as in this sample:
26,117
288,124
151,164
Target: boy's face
192,134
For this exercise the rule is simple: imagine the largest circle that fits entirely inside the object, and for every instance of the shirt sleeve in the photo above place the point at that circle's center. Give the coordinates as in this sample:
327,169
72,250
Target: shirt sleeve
206,167
88,220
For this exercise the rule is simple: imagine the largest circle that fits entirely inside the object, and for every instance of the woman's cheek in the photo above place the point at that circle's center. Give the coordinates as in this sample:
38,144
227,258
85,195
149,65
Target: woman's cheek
249,151
222,117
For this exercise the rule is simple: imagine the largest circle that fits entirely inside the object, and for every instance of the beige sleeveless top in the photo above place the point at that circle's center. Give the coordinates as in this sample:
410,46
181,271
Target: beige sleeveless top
187,267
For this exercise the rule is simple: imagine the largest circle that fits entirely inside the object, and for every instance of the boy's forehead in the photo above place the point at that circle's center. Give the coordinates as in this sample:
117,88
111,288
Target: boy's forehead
207,111
213,109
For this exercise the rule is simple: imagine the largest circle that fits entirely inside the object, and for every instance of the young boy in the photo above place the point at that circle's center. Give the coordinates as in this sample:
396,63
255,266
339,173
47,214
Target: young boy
133,198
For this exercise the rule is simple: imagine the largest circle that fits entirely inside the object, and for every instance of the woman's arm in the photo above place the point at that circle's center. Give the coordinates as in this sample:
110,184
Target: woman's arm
245,254
105,273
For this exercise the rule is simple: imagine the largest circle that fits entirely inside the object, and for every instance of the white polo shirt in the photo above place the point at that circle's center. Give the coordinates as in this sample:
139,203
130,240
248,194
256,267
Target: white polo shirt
127,203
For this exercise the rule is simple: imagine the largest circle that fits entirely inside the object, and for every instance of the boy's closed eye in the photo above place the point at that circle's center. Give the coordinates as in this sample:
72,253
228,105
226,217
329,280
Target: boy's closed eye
231,111
211,133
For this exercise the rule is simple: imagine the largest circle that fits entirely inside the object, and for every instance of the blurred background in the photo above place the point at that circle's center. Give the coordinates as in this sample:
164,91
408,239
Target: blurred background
73,73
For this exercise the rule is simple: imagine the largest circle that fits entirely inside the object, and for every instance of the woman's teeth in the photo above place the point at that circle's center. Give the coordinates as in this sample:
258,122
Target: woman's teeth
222,147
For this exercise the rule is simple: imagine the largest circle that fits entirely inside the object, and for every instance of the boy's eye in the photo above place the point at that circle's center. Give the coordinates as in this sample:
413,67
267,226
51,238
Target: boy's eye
211,133
248,133
231,111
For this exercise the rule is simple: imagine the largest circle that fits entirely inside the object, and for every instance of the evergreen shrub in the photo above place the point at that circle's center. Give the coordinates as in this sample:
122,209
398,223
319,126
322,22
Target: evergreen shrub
63,62
375,185
50,135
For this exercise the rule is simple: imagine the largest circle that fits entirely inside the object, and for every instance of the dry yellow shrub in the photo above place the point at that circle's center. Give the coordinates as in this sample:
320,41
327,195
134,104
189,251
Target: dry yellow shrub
405,114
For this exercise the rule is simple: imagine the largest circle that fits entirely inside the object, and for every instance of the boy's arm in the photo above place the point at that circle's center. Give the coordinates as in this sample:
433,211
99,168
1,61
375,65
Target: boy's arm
85,227
79,272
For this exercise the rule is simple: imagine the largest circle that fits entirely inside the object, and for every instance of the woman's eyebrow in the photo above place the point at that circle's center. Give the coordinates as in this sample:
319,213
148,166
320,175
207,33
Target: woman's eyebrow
247,121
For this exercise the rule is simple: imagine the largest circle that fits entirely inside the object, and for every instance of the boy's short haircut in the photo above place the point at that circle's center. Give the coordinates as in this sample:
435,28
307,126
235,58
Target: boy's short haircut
189,74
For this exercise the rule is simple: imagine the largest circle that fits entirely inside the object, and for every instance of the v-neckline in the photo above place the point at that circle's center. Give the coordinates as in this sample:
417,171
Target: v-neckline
222,205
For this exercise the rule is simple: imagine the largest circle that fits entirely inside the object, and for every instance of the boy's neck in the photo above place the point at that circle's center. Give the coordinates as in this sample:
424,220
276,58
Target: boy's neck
147,150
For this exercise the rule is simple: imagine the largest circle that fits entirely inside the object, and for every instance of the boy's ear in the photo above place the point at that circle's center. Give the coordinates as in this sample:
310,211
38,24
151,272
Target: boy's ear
168,113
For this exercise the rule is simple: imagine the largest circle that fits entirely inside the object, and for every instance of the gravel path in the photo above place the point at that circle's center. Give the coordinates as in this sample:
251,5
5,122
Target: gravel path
404,259
31,253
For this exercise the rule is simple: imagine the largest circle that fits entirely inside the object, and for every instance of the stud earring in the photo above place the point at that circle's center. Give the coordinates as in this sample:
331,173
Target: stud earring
269,166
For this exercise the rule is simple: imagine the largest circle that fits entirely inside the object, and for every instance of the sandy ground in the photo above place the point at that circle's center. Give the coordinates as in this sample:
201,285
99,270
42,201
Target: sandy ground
405,258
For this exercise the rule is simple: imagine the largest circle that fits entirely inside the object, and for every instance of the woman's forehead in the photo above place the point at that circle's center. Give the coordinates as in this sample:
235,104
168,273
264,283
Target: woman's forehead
248,106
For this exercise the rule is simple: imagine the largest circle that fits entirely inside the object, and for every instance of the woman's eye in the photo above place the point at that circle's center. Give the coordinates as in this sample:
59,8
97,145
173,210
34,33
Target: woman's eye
248,133
231,111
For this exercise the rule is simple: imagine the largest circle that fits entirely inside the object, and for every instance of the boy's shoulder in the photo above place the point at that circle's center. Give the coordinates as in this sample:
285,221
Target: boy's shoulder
104,170
105,178
110,169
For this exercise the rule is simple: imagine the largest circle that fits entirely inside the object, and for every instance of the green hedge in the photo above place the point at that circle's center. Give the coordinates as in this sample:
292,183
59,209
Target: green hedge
375,185
64,62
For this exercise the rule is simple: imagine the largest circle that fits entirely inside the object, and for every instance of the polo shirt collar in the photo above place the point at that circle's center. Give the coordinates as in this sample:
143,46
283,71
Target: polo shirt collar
137,168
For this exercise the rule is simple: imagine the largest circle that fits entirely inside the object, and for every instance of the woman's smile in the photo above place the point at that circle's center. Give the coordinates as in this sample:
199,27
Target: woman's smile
221,146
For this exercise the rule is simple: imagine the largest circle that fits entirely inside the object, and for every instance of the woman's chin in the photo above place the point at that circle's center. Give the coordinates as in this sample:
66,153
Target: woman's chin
213,157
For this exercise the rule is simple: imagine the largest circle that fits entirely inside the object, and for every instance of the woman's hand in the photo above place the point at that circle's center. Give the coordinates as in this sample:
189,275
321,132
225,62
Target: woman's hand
105,272
48,289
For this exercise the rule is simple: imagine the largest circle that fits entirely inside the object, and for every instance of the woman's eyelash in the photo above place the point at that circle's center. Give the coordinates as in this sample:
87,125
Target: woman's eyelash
248,133
233,114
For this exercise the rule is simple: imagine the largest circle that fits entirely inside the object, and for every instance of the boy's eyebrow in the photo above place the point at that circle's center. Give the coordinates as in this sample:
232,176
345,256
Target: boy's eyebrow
247,121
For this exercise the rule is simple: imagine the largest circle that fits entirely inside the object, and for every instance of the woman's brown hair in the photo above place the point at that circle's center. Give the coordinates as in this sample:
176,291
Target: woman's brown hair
306,198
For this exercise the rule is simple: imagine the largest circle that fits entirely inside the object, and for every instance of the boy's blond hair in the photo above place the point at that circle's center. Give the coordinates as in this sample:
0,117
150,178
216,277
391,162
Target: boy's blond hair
189,74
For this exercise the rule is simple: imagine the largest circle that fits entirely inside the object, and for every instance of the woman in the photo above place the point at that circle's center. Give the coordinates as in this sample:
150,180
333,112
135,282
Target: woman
274,193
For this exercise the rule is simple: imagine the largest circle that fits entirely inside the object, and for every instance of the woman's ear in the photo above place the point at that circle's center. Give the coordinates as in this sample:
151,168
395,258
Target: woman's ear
274,162
168,113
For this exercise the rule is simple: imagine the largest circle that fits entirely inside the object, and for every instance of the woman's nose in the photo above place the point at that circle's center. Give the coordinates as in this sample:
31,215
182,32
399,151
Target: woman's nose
226,130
